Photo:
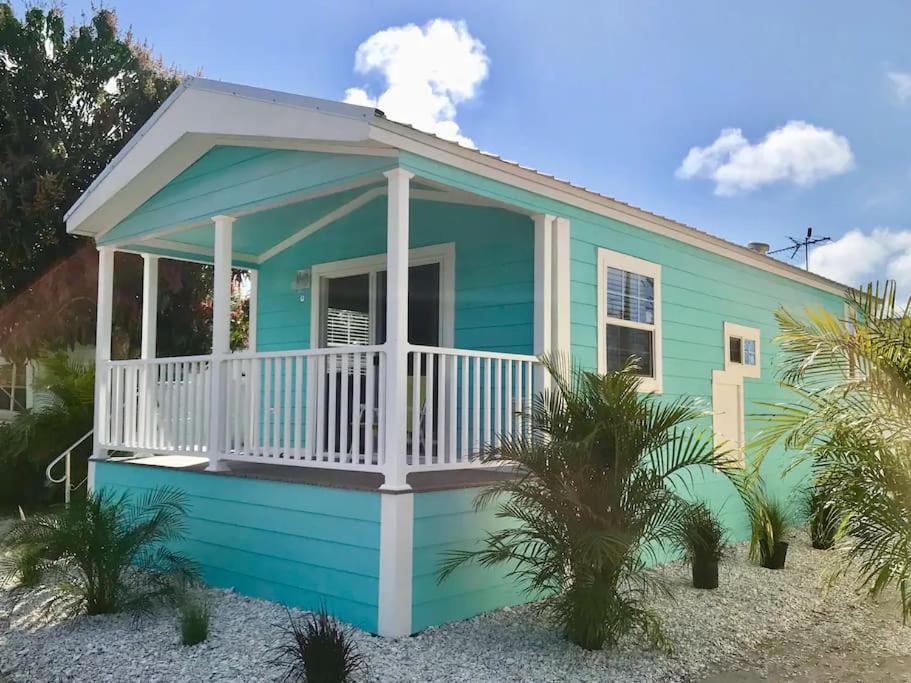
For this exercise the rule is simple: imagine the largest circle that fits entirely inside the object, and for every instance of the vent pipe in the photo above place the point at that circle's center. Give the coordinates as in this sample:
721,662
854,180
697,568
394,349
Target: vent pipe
759,247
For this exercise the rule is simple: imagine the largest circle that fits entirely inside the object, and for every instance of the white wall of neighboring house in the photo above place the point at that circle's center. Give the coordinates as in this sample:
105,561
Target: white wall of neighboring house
11,401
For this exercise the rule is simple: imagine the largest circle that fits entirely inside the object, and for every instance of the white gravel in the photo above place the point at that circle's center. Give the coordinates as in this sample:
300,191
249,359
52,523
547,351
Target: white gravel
712,631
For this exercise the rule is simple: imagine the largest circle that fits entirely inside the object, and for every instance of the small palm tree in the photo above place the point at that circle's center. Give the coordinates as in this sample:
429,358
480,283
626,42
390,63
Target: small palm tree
106,553
595,500
851,417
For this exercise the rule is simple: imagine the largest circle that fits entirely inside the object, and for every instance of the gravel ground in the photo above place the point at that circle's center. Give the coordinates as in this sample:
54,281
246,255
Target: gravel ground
760,621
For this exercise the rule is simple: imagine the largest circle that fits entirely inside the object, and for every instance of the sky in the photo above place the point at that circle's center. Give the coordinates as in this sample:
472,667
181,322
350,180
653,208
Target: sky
751,121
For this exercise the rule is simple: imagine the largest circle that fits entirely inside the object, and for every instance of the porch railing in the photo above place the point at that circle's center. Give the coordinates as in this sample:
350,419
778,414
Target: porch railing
319,407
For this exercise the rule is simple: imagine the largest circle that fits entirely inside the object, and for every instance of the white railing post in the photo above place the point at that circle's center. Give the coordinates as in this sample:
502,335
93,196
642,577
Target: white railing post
104,322
396,328
148,345
543,305
221,337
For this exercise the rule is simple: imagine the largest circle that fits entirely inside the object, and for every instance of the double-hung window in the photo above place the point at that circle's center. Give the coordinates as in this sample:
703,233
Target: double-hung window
13,387
629,316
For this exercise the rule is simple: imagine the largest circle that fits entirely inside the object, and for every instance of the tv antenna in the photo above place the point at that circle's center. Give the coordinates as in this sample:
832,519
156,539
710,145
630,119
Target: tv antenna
804,244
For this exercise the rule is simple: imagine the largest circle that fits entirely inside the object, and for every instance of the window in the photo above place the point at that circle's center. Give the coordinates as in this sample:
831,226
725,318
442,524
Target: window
13,387
741,346
742,351
629,316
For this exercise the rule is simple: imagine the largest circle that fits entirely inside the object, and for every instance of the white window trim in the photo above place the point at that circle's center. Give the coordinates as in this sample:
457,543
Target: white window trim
29,390
612,259
742,332
444,254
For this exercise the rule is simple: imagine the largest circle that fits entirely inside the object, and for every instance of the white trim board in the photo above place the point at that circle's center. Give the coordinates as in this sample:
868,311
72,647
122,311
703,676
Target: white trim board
444,254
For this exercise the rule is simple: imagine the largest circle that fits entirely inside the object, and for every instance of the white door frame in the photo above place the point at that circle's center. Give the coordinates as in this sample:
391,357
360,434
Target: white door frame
443,254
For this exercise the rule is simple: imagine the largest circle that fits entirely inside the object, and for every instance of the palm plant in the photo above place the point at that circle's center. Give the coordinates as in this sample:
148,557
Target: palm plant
822,517
702,539
106,553
851,416
63,413
769,523
594,501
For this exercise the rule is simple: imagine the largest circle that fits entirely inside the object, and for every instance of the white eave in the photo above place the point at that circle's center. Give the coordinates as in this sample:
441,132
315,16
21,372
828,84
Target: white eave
201,114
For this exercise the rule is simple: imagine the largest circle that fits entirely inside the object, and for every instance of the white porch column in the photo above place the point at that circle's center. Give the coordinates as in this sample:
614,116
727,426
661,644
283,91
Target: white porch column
104,321
396,499
396,328
221,336
254,308
148,344
560,325
543,283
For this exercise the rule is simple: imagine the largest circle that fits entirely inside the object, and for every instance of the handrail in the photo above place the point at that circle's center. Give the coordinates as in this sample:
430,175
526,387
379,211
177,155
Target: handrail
65,479
493,355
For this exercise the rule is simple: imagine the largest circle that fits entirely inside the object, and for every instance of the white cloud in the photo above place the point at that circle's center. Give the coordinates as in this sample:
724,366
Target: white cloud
428,70
798,153
857,258
901,83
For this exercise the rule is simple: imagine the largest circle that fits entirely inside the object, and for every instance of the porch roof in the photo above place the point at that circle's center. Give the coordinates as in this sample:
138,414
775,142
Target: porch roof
202,114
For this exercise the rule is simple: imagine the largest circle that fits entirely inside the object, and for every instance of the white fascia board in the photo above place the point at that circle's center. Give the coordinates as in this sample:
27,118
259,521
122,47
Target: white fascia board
189,123
407,139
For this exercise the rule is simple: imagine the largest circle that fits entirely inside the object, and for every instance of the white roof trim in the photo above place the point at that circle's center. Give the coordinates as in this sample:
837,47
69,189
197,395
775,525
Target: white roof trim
201,113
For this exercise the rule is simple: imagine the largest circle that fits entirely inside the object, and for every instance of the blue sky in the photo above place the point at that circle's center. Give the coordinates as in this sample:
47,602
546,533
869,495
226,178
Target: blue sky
613,96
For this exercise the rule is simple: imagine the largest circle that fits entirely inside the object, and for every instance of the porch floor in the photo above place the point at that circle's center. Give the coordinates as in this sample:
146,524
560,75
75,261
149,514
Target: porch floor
421,482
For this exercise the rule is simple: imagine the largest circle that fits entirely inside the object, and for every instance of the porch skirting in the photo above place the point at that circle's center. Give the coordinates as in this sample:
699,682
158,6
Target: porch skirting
305,537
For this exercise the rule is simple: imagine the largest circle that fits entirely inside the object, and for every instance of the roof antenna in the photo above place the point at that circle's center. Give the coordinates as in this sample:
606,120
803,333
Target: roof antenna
804,244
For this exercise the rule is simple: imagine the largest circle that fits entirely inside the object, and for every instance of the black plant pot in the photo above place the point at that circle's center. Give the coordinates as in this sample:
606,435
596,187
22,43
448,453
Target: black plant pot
775,559
705,574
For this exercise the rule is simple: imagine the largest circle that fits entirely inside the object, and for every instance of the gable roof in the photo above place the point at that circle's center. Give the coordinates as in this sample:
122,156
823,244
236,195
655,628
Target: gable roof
203,113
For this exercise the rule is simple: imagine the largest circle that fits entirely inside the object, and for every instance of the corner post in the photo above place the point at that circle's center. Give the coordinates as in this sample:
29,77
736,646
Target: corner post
103,324
221,337
543,302
396,499
253,311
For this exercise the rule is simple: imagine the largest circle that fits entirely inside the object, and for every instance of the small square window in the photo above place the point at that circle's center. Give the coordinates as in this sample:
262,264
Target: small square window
735,352
749,352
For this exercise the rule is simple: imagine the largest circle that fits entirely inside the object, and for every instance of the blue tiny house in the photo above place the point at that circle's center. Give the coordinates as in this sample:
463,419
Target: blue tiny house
402,290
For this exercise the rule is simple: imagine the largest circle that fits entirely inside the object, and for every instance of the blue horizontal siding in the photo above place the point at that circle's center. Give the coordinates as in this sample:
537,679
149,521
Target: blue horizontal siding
293,543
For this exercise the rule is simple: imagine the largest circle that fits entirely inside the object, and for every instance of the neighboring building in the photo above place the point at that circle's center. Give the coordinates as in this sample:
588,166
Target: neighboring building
402,288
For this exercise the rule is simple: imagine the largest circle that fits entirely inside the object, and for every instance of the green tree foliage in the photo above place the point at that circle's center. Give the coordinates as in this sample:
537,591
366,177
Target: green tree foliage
596,500
69,100
851,418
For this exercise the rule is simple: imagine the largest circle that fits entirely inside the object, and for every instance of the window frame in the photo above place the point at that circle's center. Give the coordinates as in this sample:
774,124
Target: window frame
613,259
744,334
8,414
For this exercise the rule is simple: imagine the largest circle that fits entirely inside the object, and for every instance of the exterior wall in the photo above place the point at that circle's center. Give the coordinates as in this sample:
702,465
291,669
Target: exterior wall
292,543
494,272
446,521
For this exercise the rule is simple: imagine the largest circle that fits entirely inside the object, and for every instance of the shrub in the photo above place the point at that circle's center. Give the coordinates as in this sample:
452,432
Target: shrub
822,518
106,553
769,523
701,537
317,649
194,620
594,500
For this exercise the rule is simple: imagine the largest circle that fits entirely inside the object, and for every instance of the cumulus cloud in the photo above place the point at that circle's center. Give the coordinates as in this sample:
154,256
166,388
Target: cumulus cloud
798,152
858,257
901,84
427,72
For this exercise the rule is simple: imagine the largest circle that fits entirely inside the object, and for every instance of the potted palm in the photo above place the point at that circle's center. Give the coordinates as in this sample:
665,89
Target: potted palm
822,518
701,537
768,525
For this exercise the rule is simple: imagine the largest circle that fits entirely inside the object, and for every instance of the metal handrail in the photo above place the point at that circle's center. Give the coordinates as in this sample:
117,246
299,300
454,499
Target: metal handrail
66,478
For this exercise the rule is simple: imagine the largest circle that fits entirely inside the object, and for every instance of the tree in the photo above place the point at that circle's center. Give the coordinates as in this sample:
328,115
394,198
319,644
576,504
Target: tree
851,418
596,500
70,100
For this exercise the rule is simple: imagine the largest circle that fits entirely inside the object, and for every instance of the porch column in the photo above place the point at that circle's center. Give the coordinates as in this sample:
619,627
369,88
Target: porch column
105,305
396,498
543,308
396,328
221,336
560,332
253,310
148,344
